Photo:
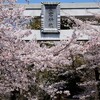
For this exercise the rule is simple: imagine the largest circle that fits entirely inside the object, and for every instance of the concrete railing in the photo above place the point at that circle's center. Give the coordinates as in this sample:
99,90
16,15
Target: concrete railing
63,35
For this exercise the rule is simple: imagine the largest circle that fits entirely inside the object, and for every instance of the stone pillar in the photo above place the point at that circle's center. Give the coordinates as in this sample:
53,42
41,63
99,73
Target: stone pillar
50,17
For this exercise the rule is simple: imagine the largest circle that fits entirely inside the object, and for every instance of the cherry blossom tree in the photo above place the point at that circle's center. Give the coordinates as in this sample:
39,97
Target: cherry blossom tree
20,61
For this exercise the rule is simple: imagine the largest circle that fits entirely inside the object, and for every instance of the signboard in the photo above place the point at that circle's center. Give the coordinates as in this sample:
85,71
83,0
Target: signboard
50,18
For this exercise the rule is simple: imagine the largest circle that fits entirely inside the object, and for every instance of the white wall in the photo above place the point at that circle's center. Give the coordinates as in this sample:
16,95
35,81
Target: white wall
79,12
64,12
32,13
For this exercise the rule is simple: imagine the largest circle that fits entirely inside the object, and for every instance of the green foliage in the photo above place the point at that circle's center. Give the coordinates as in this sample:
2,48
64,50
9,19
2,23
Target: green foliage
79,60
35,23
47,43
46,77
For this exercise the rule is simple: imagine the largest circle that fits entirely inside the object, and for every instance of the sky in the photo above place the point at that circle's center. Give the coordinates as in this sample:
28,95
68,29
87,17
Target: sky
65,1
